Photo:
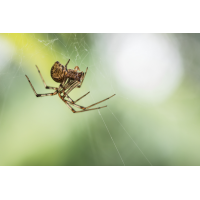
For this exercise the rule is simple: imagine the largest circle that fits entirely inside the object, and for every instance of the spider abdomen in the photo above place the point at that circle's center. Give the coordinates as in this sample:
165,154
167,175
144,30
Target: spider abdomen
58,72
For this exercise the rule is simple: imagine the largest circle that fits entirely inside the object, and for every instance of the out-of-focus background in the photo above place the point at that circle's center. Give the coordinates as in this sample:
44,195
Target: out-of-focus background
154,119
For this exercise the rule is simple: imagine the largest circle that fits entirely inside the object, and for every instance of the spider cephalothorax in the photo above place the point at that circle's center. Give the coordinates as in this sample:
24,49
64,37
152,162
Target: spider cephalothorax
68,79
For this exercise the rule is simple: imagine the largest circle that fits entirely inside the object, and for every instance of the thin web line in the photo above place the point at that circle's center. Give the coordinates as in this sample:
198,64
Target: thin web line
131,137
112,138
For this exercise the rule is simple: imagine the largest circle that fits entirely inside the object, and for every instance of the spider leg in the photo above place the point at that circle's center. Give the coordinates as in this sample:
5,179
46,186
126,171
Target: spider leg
65,94
83,78
72,87
81,97
99,102
72,101
67,63
74,111
47,87
82,107
40,95
69,87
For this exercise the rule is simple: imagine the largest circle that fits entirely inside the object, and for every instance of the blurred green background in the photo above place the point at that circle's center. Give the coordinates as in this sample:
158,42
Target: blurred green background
154,119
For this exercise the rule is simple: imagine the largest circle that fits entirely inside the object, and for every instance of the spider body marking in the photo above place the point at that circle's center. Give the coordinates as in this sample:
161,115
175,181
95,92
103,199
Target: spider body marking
69,79
59,73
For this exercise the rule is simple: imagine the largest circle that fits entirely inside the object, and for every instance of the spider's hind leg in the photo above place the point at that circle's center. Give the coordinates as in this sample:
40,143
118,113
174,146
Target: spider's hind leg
100,101
81,97
82,107
74,111
72,101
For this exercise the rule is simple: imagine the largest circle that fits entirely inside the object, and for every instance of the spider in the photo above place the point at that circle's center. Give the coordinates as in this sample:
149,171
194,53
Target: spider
69,79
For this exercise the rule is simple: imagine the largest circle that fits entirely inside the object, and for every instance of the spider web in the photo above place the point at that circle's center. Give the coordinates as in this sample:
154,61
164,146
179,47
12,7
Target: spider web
110,136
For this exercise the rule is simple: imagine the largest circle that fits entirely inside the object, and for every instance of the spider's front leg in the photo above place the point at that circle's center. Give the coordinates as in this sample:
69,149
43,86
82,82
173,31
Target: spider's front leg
47,87
40,95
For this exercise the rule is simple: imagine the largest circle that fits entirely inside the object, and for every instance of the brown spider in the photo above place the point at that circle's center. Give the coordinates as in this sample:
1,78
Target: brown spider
68,79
